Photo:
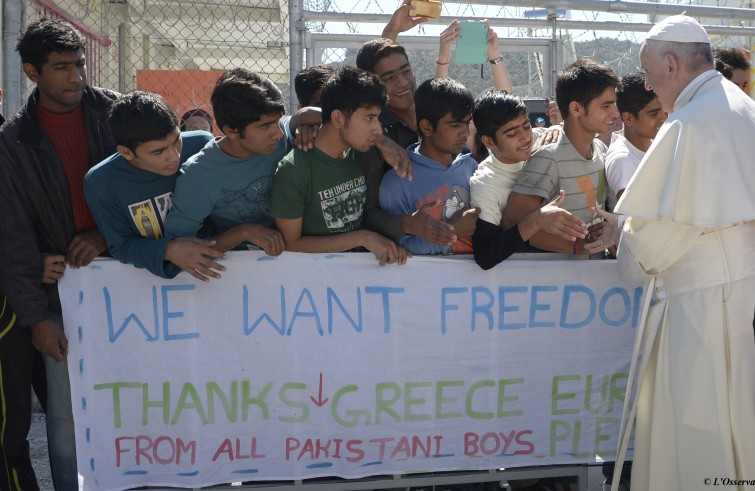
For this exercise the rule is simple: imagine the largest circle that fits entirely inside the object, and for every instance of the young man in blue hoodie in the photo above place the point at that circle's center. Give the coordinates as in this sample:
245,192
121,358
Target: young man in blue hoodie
442,167
130,192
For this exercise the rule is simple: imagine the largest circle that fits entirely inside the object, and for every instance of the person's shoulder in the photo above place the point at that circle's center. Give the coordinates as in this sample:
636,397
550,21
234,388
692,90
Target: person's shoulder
600,146
197,136
99,97
484,172
296,161
618,149
12,126
206,159
391,180
194,142
105,170
545,155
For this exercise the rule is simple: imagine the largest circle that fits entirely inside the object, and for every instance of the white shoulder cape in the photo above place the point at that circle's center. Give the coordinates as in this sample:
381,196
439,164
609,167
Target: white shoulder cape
700,169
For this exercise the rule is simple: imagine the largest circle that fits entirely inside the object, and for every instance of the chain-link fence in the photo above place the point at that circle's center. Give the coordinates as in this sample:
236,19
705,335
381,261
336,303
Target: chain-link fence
171,47
179,48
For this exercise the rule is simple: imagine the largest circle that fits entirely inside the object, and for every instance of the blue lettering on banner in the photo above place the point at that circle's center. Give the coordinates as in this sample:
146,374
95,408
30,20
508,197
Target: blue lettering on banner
579,307
167,314
306,308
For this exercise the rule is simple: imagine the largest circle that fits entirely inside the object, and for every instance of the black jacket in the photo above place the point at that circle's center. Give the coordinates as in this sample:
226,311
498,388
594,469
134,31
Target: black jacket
35,203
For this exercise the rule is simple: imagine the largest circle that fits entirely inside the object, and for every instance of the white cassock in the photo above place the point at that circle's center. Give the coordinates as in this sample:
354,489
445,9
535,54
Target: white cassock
691,230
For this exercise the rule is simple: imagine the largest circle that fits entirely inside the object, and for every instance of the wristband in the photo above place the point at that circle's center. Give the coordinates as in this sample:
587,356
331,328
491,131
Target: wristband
438,62
496,61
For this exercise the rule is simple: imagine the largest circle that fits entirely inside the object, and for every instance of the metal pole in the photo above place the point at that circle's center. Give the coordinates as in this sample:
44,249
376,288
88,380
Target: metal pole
12,75
528,23
624,7
296,29
122,57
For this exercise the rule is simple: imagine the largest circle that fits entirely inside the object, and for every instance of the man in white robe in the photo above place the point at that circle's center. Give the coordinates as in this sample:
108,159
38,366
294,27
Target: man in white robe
690,233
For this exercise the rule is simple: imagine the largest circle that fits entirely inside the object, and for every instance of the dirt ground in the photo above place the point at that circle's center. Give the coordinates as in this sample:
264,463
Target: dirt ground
38,446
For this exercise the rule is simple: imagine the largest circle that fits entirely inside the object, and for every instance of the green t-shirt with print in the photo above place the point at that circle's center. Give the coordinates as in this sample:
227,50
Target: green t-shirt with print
327,193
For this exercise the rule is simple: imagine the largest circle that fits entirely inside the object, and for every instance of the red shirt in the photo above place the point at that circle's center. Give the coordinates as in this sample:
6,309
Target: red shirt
69,137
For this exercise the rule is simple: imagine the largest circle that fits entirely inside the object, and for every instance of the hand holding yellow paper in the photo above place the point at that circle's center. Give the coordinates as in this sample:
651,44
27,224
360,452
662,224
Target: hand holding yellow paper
426,8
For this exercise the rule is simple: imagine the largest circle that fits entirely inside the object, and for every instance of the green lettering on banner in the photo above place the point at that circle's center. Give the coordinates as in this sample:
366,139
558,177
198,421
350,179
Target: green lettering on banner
189,392
247,400
354,414
383,405
116,387
410,401
303,408
470,395
440,400
556,396
502,397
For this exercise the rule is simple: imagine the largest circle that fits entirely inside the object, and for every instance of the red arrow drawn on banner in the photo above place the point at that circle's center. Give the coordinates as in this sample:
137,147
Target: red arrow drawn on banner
319,402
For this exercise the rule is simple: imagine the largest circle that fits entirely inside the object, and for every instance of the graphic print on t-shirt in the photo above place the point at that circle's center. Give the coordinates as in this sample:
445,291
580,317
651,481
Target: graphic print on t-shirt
343,205
252,202
454,198
593,195
149,215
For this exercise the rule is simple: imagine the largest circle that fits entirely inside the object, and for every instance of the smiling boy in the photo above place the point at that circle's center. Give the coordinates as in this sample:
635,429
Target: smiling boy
131,191
389,61
643,116
504,128
586,97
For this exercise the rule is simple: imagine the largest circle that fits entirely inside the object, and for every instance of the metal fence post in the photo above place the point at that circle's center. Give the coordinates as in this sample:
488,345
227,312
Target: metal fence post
12,76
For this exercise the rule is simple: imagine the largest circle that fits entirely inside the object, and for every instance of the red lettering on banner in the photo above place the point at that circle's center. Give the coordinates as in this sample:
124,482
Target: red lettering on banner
163,450
498,443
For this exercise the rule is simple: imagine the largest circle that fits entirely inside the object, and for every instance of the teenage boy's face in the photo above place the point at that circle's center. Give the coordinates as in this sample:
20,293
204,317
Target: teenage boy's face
361,129
449,136
396,74
157,156
601,112
61,80
650,119
261,137
513,140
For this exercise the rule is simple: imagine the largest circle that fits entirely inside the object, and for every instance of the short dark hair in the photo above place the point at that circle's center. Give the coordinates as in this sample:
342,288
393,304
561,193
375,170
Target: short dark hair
349,89
44,36
582,81
734,57
724,69
139,117
373,51
310,80
437,97
241,97
632,96
494,109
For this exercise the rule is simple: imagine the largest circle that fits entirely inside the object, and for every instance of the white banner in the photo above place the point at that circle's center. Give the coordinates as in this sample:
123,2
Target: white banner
312,365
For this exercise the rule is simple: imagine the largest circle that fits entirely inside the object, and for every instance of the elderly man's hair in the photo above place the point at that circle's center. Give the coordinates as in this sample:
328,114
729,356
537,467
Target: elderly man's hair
693,56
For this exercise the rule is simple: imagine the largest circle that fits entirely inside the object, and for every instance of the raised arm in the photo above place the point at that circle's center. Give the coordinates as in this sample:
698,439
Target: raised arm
401,21
448,38
501,79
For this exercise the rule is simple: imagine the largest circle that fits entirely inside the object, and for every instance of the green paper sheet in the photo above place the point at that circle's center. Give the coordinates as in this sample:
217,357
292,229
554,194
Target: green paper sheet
472,45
